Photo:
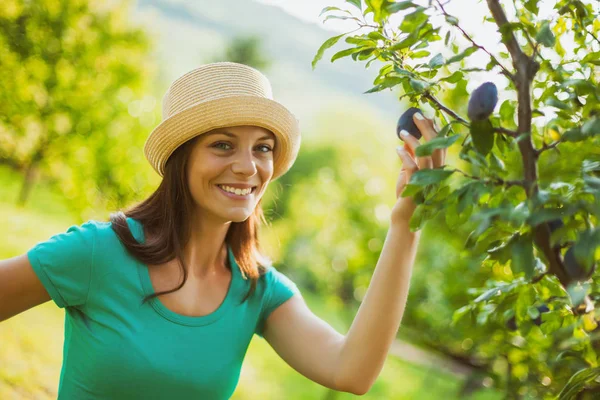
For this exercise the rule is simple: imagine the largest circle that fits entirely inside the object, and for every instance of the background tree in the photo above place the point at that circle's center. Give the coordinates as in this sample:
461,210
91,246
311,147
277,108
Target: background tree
245,49
529,201
71,71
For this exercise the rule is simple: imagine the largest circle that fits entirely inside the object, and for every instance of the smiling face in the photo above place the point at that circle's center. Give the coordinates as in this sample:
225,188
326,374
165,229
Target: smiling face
238,155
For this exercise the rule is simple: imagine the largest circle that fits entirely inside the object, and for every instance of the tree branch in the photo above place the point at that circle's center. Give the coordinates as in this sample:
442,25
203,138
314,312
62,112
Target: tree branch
458,118
547,146
495,180
505,71
526,69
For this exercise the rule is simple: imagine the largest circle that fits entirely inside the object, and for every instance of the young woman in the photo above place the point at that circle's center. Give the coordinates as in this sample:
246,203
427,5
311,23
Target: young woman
194,243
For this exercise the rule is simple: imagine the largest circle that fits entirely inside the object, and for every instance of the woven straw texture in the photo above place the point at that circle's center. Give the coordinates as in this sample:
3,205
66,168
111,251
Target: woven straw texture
219,95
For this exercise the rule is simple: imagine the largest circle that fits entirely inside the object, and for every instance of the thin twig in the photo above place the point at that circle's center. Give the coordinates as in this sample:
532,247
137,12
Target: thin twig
547,146
466,35
495,180
457,117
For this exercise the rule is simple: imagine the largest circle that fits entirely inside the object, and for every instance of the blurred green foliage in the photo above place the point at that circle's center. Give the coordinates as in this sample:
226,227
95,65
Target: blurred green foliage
74,99
245,49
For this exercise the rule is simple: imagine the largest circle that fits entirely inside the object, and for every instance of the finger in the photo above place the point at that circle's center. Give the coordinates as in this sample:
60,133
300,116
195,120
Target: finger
411,143
408,163
408,168
427,128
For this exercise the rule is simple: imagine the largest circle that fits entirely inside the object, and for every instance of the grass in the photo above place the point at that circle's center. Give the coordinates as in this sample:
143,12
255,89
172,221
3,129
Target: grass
31,342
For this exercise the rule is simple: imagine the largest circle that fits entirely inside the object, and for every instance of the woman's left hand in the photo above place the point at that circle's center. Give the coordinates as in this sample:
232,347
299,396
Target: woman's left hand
405,206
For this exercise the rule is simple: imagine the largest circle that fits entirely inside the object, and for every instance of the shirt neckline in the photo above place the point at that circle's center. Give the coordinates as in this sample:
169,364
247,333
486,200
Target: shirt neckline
181,319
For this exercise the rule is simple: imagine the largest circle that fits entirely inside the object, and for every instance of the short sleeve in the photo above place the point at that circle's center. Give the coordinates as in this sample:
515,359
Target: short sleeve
279,288
64,264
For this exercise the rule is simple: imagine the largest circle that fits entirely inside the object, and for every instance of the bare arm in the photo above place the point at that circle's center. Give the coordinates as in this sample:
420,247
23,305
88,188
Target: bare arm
376,324
20,288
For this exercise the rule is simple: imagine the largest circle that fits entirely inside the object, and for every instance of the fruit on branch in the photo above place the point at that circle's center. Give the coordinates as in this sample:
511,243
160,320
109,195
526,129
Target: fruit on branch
542,309
511,323
574,269
482,102
555,224
406,122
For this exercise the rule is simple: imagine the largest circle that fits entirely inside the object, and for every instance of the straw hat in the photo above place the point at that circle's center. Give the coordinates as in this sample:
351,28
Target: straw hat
219,95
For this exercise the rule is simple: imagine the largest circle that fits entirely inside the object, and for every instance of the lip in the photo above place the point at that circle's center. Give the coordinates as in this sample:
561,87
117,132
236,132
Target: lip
234,196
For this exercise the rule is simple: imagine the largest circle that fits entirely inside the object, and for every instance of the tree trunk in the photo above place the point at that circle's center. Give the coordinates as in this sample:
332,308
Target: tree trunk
28,181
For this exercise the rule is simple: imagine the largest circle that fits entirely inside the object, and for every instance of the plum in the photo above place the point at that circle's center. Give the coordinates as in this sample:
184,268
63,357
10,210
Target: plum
407,123
511,324
555,224
576,271
542,309
483,101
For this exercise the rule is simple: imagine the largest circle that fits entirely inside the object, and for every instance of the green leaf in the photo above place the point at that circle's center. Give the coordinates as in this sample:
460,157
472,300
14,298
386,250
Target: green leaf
327,9
328,43
392,8
420,54
408,41
418,85
522,255
532,6
429,176
375,35
356,3
538,217
462,55
427,148
573,135
592,58
451,20
591,127
498,290
454,78
554,102
578,382
414,20
436,61
545,35
346,52
525,299
577,292
522,136
461,313
533,312
482,134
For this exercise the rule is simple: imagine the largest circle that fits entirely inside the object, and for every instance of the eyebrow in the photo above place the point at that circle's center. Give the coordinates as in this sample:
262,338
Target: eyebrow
226,133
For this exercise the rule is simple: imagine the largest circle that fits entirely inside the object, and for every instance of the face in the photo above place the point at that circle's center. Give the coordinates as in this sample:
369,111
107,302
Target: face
233,155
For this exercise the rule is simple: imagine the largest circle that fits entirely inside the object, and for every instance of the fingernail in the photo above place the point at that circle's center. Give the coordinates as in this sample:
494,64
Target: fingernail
400,148
404,133
419,116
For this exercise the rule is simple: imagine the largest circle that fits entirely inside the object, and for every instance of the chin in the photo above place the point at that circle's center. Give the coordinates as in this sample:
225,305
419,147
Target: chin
238,216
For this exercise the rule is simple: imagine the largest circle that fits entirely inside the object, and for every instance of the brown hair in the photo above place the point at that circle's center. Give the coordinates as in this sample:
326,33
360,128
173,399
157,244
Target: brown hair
164,216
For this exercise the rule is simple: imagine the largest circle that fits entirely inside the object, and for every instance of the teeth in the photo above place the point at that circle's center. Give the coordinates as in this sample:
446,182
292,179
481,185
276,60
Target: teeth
239,192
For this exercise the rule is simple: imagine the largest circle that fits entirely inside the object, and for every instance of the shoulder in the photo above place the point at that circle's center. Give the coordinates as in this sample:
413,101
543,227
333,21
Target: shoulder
275,280
106,230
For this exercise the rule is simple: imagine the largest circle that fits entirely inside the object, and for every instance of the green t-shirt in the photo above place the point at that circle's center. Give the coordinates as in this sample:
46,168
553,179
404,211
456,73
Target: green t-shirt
116,348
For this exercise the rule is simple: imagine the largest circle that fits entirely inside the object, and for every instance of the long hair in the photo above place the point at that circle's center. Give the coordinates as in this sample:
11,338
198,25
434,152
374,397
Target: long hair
164,216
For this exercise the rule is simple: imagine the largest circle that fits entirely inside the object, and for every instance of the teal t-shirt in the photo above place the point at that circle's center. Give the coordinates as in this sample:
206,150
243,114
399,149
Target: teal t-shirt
116,348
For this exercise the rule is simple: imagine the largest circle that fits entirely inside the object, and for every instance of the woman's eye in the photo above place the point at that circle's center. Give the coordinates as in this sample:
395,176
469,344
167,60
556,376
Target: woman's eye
217,144
227,144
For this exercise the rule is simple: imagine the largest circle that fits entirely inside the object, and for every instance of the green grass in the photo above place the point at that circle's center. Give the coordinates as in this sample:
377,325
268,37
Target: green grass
31,342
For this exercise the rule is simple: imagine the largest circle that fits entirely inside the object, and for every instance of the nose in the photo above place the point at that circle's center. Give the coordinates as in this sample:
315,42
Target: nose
244,163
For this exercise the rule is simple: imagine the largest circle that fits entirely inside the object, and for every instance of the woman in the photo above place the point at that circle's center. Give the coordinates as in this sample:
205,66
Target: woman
194,242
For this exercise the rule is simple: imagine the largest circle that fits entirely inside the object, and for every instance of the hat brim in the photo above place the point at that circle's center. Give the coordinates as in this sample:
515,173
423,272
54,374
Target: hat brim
228,111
